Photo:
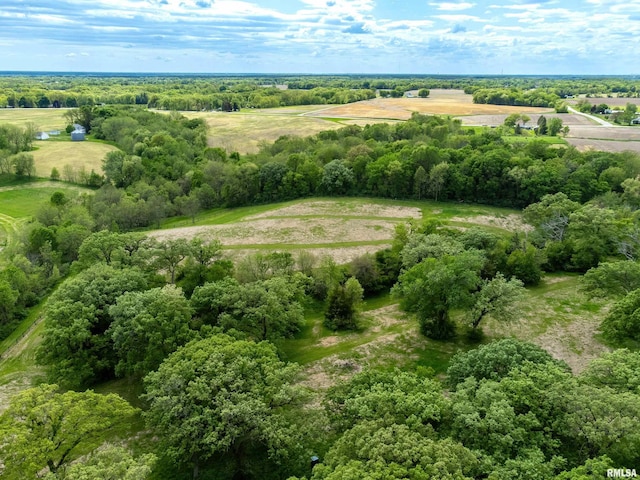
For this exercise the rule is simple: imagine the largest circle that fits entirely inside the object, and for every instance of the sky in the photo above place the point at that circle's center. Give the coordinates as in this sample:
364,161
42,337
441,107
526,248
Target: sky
526,37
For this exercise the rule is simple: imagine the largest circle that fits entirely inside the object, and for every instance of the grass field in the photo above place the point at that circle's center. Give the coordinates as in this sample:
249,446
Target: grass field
340,228
245,131
20,201
76,154
44,118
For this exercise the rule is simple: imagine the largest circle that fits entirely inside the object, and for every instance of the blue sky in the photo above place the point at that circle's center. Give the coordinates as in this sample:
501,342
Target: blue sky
322,36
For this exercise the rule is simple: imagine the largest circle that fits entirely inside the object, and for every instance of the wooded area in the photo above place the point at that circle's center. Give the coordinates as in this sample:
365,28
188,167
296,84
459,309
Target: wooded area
201,343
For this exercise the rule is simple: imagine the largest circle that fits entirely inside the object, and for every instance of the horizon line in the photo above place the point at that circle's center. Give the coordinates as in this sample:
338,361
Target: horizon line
284,74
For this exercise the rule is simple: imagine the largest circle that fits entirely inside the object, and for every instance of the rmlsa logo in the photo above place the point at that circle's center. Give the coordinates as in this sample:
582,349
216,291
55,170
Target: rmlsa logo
621,473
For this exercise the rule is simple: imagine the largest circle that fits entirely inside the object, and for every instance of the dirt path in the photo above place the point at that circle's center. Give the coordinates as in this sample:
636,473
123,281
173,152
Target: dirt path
602,122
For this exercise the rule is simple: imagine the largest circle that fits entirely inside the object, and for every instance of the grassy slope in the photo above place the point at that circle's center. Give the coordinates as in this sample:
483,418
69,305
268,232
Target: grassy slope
19,201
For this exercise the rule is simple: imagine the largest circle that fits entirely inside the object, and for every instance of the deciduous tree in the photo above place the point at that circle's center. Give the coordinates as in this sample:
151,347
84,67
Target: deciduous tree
221,396
45,429
147,326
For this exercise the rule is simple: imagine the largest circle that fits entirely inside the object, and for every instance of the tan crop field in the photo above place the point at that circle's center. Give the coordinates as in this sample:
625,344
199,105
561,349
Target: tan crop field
76,154
244,132
439,102
612,102
343,208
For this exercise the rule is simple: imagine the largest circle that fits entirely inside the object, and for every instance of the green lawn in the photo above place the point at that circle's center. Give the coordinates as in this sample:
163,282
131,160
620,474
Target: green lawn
25,202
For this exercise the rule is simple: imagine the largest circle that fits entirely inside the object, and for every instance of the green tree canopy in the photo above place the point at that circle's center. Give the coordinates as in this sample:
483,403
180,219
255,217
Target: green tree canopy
374,452
436,285
393,397
45,429
343,304
495,360
623,320
221,396
615,279
75,348
264,310
147,326
109,463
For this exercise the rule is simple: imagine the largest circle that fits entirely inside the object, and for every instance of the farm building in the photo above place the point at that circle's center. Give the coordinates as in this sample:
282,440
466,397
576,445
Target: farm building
42,136
78,134
635,121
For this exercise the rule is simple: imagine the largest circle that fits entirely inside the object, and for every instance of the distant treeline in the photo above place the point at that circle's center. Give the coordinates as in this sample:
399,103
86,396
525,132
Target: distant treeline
231,93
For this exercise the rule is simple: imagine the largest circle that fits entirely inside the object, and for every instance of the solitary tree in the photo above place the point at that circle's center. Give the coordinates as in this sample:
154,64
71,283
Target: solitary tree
497,298
542,125
435,286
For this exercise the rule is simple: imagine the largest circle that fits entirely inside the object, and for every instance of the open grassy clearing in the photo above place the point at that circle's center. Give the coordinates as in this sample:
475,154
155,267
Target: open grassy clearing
341,228
559,318
44,118
22,202
78,155
18,368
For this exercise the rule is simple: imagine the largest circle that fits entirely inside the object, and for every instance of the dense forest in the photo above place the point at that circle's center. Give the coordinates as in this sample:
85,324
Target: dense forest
202,339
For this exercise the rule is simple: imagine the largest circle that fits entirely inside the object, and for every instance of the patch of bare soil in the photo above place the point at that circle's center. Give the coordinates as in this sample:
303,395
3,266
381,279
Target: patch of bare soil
341,209
511,222
329,341
10,389
288,231
384,317
321,375
551,280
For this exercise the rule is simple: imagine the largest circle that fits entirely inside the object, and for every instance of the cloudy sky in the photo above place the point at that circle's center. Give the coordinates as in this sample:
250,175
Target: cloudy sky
322,36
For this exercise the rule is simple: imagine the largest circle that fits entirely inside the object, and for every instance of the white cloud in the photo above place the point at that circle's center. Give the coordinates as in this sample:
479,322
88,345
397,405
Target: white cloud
453,6
459,18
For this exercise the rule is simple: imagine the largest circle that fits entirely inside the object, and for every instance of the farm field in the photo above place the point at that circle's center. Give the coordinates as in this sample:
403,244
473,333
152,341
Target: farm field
612,102
245,131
